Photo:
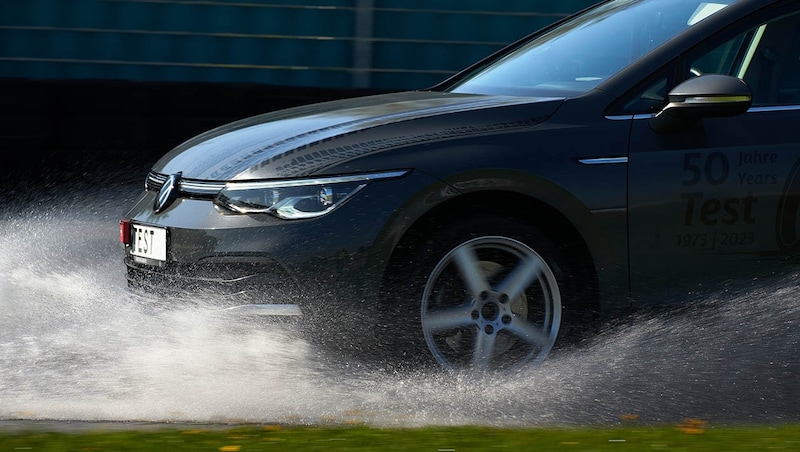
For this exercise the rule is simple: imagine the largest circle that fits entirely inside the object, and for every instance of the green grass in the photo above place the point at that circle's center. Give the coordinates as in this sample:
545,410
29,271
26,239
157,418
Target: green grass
688,436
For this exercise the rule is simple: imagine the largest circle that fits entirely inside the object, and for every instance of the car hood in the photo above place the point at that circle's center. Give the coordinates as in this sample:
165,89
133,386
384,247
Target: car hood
306,140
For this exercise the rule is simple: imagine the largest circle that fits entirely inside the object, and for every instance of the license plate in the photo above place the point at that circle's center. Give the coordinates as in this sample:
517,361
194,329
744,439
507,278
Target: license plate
149,242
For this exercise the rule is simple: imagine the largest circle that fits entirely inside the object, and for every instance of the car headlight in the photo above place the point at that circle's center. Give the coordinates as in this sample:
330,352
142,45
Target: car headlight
293,199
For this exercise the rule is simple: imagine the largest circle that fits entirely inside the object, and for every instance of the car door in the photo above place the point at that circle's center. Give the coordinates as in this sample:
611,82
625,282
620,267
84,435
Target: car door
714,206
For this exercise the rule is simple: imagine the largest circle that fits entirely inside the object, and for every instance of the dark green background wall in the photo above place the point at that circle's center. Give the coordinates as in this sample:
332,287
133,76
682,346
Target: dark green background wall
383,44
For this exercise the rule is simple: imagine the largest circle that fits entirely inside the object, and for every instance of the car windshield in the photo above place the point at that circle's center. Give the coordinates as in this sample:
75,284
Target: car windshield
577,55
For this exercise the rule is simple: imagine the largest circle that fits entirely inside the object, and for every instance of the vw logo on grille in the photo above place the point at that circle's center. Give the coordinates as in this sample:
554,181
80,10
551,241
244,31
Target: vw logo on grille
169,191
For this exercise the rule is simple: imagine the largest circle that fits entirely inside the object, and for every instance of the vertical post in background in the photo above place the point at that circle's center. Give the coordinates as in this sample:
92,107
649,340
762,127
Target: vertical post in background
362,45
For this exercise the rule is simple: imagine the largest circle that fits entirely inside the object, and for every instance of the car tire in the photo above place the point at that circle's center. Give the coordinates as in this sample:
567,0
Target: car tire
477,295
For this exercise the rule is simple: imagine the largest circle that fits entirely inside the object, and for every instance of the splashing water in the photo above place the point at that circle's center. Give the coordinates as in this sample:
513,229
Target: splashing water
75,344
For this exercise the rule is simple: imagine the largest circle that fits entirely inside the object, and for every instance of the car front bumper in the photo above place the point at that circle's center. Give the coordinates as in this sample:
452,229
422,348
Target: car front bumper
259,264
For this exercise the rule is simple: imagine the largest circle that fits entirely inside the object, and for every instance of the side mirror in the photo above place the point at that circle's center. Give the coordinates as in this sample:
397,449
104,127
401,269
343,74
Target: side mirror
706,96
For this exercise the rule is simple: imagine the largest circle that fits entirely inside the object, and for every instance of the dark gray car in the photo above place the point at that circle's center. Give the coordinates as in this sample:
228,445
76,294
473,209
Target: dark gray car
638,153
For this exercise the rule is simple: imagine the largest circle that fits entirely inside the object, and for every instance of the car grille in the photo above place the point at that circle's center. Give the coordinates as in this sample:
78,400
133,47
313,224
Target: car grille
222,282
193,188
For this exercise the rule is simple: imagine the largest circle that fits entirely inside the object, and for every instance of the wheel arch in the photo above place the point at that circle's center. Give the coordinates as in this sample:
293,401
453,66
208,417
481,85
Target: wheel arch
541,215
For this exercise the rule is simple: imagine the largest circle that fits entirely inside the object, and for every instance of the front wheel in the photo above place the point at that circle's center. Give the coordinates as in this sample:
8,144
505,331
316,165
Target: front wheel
487,295
491,302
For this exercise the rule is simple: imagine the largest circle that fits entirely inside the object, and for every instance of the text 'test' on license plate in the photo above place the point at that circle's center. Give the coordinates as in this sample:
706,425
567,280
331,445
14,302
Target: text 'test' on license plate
149,242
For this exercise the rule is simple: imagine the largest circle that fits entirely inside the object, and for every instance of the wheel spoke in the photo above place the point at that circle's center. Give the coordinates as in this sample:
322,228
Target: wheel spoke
482,354
521,277
528,332
471,273
445,319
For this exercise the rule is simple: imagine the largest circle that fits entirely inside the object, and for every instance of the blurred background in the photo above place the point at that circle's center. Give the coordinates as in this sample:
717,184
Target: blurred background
83,80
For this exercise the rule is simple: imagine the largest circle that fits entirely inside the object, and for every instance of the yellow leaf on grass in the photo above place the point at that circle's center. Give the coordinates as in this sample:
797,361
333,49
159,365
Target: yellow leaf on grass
692,426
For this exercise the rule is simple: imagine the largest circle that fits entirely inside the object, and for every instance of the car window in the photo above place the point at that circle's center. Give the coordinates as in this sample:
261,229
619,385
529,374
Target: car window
579,54
767,57
772,69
